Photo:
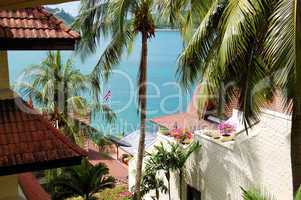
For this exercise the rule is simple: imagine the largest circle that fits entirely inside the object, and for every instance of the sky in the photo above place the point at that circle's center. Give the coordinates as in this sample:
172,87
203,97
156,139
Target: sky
71,7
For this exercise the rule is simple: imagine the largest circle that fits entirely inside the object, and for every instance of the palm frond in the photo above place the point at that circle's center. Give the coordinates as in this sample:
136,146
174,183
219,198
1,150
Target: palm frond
82,180
255,194
92,24
119,10
195,54
279,53
78,104
112,54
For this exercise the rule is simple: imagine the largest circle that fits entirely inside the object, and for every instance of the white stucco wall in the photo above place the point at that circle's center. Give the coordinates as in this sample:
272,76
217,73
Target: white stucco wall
261,159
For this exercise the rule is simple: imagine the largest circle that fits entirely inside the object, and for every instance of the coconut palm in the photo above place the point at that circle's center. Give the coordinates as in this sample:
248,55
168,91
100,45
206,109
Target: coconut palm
122,21
171,158
249,48
59,90
84,181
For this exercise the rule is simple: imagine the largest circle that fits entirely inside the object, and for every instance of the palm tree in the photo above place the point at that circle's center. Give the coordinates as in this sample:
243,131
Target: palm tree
181,156
254,194
123,21
58,89
150,182
170,159
253,47
84,181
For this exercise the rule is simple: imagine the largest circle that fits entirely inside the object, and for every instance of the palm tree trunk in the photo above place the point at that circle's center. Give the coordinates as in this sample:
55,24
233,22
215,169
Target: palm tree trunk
296,149
296,120
168,180
142,102
181,180
157,194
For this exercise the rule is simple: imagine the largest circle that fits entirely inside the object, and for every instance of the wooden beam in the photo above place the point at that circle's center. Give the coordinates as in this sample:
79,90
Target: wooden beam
16,4
4,74
37,44
38,166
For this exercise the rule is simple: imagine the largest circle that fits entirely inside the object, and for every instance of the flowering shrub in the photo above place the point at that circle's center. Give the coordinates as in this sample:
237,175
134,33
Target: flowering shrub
181,134
226,129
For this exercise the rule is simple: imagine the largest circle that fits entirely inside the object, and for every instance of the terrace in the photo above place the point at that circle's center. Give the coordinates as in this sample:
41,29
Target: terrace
182,127
229,157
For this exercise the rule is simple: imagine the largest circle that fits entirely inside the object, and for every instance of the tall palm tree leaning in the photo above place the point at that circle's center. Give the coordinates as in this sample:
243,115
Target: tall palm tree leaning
122,21
255,44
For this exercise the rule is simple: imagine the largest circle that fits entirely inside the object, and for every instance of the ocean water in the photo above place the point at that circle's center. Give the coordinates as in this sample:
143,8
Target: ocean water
165,96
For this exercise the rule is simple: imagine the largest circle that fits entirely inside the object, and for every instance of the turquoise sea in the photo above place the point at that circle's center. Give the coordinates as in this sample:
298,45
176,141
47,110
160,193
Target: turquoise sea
165,95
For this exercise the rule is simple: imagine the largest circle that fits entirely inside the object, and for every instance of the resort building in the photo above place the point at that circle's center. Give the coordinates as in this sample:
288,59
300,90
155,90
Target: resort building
225,163
28,141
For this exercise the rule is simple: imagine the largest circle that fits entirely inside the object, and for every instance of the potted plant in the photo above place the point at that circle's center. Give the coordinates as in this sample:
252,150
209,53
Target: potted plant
227,131
182,136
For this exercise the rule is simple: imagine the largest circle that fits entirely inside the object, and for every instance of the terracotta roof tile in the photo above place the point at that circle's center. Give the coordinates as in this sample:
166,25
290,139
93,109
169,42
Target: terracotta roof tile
28,138
183,120
33,23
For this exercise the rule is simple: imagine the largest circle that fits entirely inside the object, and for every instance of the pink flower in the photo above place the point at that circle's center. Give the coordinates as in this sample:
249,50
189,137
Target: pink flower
226,128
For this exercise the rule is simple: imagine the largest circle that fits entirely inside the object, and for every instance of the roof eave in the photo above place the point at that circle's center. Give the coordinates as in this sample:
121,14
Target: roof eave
37,166
37,44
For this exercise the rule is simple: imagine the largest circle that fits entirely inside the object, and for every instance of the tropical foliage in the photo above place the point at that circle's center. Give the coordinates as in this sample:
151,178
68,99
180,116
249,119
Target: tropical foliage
84,181
122,21
254,194
248,50
171,158
58,90
150,182
102,142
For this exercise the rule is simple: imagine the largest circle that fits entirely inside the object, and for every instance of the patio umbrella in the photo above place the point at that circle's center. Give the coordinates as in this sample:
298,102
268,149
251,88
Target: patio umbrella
119,142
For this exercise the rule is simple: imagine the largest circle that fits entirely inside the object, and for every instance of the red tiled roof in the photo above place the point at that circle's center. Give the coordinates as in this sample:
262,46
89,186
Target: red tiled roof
32,188
34,29
33,23
183,120
278,104
28,142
